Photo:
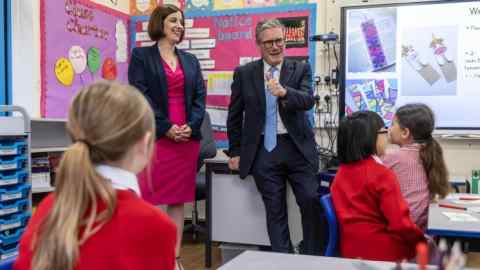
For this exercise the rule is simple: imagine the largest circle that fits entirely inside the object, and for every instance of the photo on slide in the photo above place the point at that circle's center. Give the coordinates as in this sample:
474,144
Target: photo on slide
429,61
371,38
378,96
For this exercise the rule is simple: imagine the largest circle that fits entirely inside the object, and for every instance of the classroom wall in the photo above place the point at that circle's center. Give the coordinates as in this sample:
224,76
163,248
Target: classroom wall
461,155
26,51
26,55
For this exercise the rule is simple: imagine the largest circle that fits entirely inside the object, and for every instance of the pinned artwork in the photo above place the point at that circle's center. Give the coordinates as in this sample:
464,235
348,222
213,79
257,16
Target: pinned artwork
199,5
77,57
64,71
178,3
227,4
142,7
121,37
93,59
259,3
109,69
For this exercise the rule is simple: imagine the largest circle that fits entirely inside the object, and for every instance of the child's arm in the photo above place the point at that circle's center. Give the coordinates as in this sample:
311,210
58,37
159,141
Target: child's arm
395,210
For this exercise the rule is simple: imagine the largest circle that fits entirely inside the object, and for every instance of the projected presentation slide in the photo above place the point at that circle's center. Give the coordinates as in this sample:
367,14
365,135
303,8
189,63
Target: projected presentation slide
427,53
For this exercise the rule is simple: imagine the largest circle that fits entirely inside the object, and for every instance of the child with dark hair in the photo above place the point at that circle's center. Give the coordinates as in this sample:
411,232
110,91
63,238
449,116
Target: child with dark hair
418,164
373,217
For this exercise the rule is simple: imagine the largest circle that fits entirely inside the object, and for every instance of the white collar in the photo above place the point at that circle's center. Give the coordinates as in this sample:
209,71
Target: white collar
377,159
120,178
266,66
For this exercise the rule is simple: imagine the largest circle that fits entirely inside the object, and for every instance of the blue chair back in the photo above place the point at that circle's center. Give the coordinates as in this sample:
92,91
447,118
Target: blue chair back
7,264
333,235
325,179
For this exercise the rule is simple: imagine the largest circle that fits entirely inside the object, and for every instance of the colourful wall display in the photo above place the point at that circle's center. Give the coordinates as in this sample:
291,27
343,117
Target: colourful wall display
118,5
80,43
290,2
227,4
198,5
259,3
142,7
178,3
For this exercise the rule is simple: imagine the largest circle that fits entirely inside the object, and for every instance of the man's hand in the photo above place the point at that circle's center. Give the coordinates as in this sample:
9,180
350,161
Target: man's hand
276,88
234,163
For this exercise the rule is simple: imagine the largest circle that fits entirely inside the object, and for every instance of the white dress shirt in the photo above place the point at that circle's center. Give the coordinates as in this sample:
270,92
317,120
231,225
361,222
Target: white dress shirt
266,68
120,178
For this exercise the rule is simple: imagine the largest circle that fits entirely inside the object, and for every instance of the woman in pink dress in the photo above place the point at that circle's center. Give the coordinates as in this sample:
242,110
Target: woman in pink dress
172,81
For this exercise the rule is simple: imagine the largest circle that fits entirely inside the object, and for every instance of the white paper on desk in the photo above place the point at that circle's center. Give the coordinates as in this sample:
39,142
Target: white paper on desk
466,202
460,217
474,209
466,196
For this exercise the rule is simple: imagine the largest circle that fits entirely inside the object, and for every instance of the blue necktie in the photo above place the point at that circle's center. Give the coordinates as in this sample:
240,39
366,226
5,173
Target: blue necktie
270,134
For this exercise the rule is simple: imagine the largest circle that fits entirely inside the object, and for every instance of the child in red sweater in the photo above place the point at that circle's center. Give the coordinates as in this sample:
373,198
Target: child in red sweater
373,217
95,219
418,164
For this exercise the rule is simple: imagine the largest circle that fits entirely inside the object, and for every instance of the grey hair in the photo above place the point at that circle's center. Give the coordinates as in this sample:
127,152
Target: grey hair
267,24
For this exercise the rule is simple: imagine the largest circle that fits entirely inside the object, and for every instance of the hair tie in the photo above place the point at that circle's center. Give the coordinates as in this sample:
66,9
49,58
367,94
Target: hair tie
84,142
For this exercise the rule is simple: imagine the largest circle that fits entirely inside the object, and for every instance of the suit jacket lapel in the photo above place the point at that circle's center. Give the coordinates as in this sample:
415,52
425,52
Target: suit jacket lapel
259,81
286,72
159,94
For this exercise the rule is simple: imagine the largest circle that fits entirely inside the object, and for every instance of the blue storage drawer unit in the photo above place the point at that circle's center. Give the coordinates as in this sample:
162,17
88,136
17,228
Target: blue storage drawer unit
15,193
8,208
13,163
6,253
8,178
15,221
8,238
13,147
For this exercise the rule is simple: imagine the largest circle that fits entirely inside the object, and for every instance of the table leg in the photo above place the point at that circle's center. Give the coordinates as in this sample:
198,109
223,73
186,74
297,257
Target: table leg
208,221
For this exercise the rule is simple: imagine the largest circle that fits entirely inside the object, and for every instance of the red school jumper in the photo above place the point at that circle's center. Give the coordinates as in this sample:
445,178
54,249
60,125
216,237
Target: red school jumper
139,236
373,216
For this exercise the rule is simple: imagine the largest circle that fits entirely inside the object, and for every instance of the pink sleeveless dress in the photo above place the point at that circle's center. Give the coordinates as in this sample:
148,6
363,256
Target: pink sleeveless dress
170,178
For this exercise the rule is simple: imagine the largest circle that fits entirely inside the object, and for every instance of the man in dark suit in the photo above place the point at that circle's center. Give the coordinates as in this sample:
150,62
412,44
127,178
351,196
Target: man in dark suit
270,137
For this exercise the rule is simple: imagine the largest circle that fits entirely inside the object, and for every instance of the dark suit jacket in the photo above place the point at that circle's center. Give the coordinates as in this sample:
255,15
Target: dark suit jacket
246,113
146,73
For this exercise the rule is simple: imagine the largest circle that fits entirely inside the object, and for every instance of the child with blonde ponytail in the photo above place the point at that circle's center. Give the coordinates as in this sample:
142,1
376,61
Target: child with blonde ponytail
96,219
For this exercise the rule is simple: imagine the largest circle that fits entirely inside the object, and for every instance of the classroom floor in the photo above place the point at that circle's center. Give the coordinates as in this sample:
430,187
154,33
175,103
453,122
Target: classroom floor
193,255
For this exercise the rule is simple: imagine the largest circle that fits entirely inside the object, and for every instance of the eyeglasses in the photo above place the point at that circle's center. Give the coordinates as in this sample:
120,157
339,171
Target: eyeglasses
382,131
269,43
